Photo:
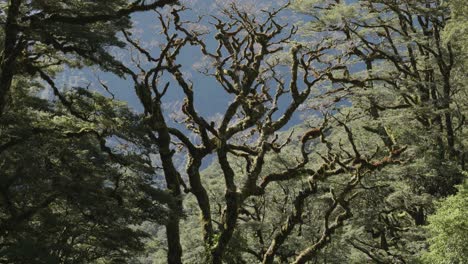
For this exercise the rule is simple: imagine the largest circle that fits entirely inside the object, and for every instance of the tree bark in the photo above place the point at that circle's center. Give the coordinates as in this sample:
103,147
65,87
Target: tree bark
171,175
231,212
202,198
9,53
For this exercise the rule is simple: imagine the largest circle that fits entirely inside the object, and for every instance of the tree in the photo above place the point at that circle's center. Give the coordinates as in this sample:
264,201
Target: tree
67,195
38,33
447,227
397,69
84,179
256,75
456,27
75,175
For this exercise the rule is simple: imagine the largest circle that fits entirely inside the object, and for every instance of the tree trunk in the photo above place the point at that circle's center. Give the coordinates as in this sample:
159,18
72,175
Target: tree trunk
9,53
202,198
171,175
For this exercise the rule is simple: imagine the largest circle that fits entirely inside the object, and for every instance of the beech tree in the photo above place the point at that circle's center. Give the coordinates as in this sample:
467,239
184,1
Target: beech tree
403,77
86,179
247,64
67,196
37,33
74,173
447,230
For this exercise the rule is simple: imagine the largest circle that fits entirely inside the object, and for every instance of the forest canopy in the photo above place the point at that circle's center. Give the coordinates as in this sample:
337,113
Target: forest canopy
162,131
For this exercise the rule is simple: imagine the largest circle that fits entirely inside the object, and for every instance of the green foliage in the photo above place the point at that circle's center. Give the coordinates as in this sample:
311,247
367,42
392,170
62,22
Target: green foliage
457,28
69,191
87,43
448,229
77,177
377,41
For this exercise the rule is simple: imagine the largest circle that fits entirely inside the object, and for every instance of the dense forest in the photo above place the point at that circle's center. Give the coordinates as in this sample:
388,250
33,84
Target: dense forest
237,132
